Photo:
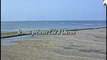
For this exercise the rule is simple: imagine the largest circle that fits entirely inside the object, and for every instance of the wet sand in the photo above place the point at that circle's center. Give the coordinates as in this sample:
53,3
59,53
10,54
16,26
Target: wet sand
85,45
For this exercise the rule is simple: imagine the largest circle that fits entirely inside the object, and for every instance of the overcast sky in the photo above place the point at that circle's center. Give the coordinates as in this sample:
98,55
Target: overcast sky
41,10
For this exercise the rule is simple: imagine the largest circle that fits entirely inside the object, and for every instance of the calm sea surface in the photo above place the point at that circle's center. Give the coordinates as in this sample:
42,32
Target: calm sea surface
7,26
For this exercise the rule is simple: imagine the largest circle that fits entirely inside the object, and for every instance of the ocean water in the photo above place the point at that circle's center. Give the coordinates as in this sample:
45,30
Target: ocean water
8,26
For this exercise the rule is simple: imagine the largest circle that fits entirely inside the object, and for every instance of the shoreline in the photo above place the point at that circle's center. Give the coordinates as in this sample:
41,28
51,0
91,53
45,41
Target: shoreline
14,34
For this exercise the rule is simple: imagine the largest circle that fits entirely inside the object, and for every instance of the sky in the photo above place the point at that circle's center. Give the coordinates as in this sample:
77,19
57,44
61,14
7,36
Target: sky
41,10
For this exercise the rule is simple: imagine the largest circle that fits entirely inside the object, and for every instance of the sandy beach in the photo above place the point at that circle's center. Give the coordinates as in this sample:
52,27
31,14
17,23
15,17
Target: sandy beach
84,45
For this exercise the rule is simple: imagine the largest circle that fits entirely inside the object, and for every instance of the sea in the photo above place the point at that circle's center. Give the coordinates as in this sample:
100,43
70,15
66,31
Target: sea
10,26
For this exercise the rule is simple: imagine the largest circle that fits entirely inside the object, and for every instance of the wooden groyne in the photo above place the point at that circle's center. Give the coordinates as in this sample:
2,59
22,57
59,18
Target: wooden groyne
14,34
86,29
9,36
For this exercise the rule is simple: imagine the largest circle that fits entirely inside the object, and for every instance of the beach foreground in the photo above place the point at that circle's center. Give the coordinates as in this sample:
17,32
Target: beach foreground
85,45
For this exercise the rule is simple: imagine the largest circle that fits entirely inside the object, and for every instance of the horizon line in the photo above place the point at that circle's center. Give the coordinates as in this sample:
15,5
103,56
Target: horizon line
55,20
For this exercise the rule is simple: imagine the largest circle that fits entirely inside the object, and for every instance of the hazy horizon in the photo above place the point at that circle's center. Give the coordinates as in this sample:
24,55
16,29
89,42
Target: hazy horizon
56,20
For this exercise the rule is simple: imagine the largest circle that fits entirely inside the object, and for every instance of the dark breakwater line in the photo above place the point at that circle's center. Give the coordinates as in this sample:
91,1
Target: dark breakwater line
86,29
9,36
12,36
